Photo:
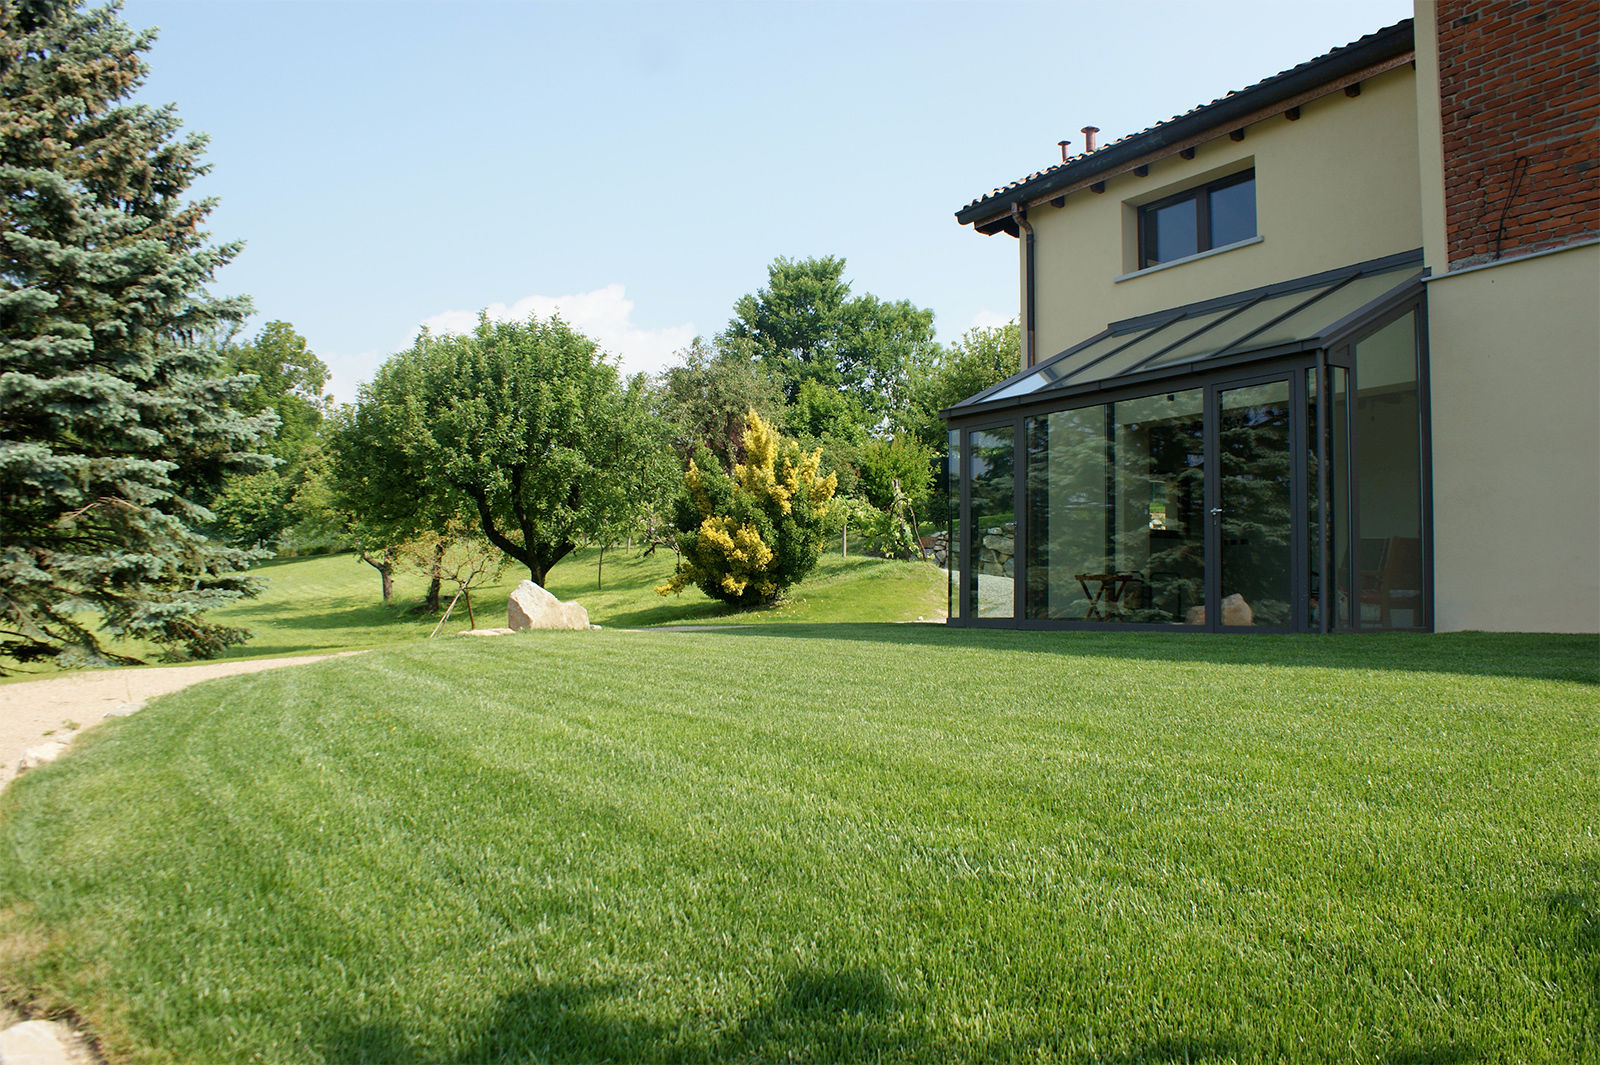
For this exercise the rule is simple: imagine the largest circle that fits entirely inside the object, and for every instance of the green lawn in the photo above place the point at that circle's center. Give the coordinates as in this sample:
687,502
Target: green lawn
334,603
833,843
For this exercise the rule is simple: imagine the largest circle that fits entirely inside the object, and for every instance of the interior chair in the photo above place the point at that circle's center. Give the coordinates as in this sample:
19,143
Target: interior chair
1400,580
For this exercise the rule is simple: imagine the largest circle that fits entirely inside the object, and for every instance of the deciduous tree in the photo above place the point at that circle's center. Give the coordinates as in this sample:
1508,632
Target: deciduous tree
706,395
948,375
528,425
290,380
805,326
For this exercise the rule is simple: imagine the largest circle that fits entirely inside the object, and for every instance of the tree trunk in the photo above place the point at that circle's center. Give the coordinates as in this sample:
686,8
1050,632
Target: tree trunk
600,571
385,569
436,579
538,562
916,532
472,622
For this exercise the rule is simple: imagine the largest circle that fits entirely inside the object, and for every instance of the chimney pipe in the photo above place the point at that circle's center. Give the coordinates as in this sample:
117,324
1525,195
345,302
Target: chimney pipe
1063,149
1088,137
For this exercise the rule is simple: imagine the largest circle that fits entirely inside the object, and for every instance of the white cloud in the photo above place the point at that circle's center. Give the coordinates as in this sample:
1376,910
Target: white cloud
347,372
987,319
605,315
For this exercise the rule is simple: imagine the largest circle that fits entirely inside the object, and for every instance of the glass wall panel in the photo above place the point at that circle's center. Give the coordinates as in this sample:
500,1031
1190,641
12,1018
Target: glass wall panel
1337,520
1115,521
1069,516
1316,531
1255,492
1389,477
991,476
952,525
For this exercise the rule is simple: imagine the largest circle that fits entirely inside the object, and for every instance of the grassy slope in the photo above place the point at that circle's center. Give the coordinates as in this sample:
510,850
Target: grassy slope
837,843
331,603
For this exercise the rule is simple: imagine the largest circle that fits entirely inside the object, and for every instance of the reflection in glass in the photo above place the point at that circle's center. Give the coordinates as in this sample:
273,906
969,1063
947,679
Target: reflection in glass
1115,511
1233,213
1255,494
952,528
1316,532
1337,520
1162,337
1170,232
991,475
1389,478
1328,309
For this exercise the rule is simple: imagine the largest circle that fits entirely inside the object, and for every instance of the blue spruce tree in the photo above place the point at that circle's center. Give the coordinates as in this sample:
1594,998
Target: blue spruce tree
114,415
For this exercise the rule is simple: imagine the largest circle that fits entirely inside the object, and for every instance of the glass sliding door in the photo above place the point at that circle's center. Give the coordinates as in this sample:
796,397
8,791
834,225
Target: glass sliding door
1255,506
991,530
1115,512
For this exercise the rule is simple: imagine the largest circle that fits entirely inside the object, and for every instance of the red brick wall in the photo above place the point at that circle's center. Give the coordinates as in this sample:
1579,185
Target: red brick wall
1519,80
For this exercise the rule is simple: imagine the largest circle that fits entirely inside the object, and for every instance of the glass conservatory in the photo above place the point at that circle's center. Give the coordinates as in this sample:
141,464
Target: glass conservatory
1257,462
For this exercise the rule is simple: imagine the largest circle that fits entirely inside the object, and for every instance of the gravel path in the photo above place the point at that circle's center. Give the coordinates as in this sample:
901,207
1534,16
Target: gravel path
65,705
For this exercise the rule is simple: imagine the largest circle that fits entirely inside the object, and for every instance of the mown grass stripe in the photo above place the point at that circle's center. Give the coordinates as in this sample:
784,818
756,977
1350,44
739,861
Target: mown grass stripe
833,843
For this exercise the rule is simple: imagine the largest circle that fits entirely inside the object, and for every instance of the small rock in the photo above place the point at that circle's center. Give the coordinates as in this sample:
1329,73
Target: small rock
1235,611
34,757
125,710
486,632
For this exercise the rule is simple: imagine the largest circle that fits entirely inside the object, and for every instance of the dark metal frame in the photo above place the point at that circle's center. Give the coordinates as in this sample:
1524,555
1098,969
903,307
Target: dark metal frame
1137,327
1201,194
1283,362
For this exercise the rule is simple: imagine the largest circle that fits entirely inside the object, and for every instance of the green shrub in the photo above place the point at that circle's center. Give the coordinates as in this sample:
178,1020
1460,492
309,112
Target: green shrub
748,536
883,462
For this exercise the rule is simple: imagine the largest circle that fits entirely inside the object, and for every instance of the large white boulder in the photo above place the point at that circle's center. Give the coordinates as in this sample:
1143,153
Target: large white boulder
531,607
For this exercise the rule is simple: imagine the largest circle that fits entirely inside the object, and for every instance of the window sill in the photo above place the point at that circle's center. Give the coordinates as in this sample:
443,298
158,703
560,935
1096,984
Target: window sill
1156,269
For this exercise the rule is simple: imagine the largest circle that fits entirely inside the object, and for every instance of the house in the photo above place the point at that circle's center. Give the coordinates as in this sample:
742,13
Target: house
1321,355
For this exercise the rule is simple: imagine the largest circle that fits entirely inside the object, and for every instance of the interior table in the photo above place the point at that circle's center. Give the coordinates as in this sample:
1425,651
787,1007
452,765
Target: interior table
1105,600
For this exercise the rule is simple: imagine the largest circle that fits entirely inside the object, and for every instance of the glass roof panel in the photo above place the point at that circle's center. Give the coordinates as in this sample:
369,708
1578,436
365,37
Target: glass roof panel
1251,318
1324,312
1051,372
1149,344
1020,387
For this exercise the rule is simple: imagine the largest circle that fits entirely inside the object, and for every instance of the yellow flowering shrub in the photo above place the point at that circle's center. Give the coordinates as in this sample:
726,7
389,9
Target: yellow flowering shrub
746,537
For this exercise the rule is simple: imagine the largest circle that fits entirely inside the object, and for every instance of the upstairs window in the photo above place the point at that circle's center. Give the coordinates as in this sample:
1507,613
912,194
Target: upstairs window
1198,219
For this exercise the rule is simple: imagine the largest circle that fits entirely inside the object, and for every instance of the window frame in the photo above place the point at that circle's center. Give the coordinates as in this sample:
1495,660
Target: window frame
1201,195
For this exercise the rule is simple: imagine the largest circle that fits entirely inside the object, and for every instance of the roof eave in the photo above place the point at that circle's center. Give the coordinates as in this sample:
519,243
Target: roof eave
1386,44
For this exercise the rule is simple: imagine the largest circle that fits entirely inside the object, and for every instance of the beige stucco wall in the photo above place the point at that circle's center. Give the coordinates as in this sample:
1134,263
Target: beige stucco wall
1430,137
1336,187
1515,365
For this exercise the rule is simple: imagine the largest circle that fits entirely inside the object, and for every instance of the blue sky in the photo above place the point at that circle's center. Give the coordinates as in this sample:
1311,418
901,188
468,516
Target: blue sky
640,164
